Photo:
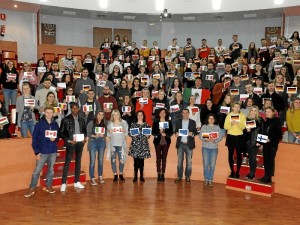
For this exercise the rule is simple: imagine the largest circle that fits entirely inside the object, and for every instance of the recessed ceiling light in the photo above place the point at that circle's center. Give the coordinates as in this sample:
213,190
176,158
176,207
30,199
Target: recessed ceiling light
278,2
216,4
103,4
16,6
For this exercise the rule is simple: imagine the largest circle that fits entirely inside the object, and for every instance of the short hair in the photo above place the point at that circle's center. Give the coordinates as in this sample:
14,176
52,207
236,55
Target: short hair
203,39
209,115
84,68
174,39
47,79
48,108
69,49
72,104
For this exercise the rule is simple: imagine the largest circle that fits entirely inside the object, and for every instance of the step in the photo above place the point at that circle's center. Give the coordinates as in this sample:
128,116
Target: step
57,178
253,187
60,143
61,152
59,164
245,169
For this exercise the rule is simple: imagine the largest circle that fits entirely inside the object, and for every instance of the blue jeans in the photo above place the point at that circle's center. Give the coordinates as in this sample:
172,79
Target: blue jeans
96,145
181,151
209,156
45,158
25,126
117,151
10,97
292,138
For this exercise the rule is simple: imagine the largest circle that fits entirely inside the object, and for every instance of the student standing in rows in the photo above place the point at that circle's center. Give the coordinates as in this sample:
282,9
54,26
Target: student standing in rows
235,124
45,149
96,131
139,148
210,135
162,140
293,121
117,131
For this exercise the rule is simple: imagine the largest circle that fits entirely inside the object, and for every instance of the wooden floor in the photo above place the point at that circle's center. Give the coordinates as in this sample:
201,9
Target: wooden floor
148,203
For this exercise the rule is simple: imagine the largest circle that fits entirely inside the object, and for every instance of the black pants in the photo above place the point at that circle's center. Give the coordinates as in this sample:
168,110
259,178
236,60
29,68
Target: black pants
252,153
138,164
269,153
161,157
233,142
70,149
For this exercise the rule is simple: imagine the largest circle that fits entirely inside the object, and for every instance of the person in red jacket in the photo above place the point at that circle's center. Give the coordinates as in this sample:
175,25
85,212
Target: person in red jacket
145,104
107,102
204,50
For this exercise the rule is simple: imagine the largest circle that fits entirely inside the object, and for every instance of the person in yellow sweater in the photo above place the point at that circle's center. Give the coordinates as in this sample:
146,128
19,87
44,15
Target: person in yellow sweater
293,121
145,50
235,123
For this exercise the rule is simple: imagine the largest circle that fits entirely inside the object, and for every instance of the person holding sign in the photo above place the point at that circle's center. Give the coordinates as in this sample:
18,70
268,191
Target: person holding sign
185,132
73,132
235,124
84,84
117,131
293,121
146,104
139,148
127,110
253,124
96,145
162,131
211,135
25,109
4,123
271,128
44,144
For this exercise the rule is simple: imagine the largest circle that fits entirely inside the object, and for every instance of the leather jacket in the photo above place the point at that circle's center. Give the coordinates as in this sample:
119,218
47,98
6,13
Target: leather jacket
67,127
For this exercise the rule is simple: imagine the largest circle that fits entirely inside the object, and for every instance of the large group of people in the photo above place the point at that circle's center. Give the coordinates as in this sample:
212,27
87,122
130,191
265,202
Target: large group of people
209,93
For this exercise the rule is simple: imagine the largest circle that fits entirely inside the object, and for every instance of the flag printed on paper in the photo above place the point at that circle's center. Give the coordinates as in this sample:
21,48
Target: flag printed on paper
126,109
151,58
292,90
227,84
264,99
129,77
235,46
182,59
108,105
243,97
183,132
58,75
146,131
205,135
234,117
277,68
189,65
98,76
88,61
174,90
168,60
211,57
272,47
3,121
221,65
198,95
76,75
117,81
103,61
78,137
62,85
137,94
159,105
226,56
11,76
203,68
127,65
196,74
135,57
70,98
144,79
143,101
279,88
257,90
188,74
99,130
296,62
250,124
174,108
156,76
63,106
263,49
252,66
234,91
209,77
213,135
196,60
117,130
195,109
29,102
170,74
134,131
52,88
262,138
28,74
87,108
283,51
121,57
296,48
244,77
142,63
42,70
228,76
225,109
86,87
101,83
163,125
57,109
51,134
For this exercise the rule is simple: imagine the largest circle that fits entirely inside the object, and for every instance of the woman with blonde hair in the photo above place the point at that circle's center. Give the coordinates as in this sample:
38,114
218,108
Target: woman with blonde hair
293,121
117,131
29,76
253,124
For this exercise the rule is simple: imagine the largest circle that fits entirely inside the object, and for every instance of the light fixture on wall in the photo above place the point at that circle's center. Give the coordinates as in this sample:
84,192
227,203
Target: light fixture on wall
43,0
165,14
216,4
278,2
159,5
103,4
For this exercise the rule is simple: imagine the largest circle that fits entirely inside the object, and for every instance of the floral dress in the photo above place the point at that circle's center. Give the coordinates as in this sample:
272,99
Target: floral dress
139,147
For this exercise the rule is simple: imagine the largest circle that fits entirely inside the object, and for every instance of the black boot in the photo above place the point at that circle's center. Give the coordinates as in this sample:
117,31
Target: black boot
158,177
121,178
115,178
142,175
163,177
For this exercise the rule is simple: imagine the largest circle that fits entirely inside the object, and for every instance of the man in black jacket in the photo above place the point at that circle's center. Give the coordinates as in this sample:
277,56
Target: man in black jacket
185,132
73,132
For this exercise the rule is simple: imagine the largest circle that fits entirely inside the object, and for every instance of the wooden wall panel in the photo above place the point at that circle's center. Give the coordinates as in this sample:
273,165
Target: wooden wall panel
99,34
123,32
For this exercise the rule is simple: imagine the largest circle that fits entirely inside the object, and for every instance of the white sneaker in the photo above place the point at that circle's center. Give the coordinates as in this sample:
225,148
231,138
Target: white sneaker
101,181
93,182
78,185
63,187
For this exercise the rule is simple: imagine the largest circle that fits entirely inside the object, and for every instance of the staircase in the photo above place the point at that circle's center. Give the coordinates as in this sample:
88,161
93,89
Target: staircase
58,168
253,186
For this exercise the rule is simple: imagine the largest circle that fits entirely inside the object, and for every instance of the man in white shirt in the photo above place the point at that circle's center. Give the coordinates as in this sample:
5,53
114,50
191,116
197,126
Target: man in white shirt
220,48
174,48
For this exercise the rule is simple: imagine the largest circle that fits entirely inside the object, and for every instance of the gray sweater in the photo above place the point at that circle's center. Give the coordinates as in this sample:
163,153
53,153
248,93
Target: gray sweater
209,129
79,86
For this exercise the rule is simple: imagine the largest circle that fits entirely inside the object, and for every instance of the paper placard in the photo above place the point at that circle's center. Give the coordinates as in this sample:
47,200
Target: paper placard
177,66
196,60
50,133
11,76
182,59
243,97
57,109
63,106
272,47
103,61
250,124
228,76
213,135
126,109
62,85
209,77
88,60
99,130
146,131
225,109
3,121
170,74
121,57
279,88
159,105
151,58
292,90
296,62
234,92
76,75
263,49
29,102
194,109
188,74
86,87
221,65
78,137
116,42
244,77
174,90
262,138
264,99
163,125
101,83
174,108
143,101
235,117
52,88
134,131
28,75
277,67
135,57
70,98
117,81
142,62
156,76
203,68
117,130
41,69
257,90
87,108
108,105
58,75
283,51
144,79
127,65
235,65
205,135
196,74
183,132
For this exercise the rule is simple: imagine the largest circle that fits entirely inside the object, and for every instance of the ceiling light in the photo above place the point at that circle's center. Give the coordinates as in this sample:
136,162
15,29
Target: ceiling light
165,14
278,2
16,6
103,4
43,0
159,5
216,4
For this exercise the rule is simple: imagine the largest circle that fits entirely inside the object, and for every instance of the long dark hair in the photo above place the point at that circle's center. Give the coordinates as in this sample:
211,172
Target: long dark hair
211,114
102,122
158,112
144,115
